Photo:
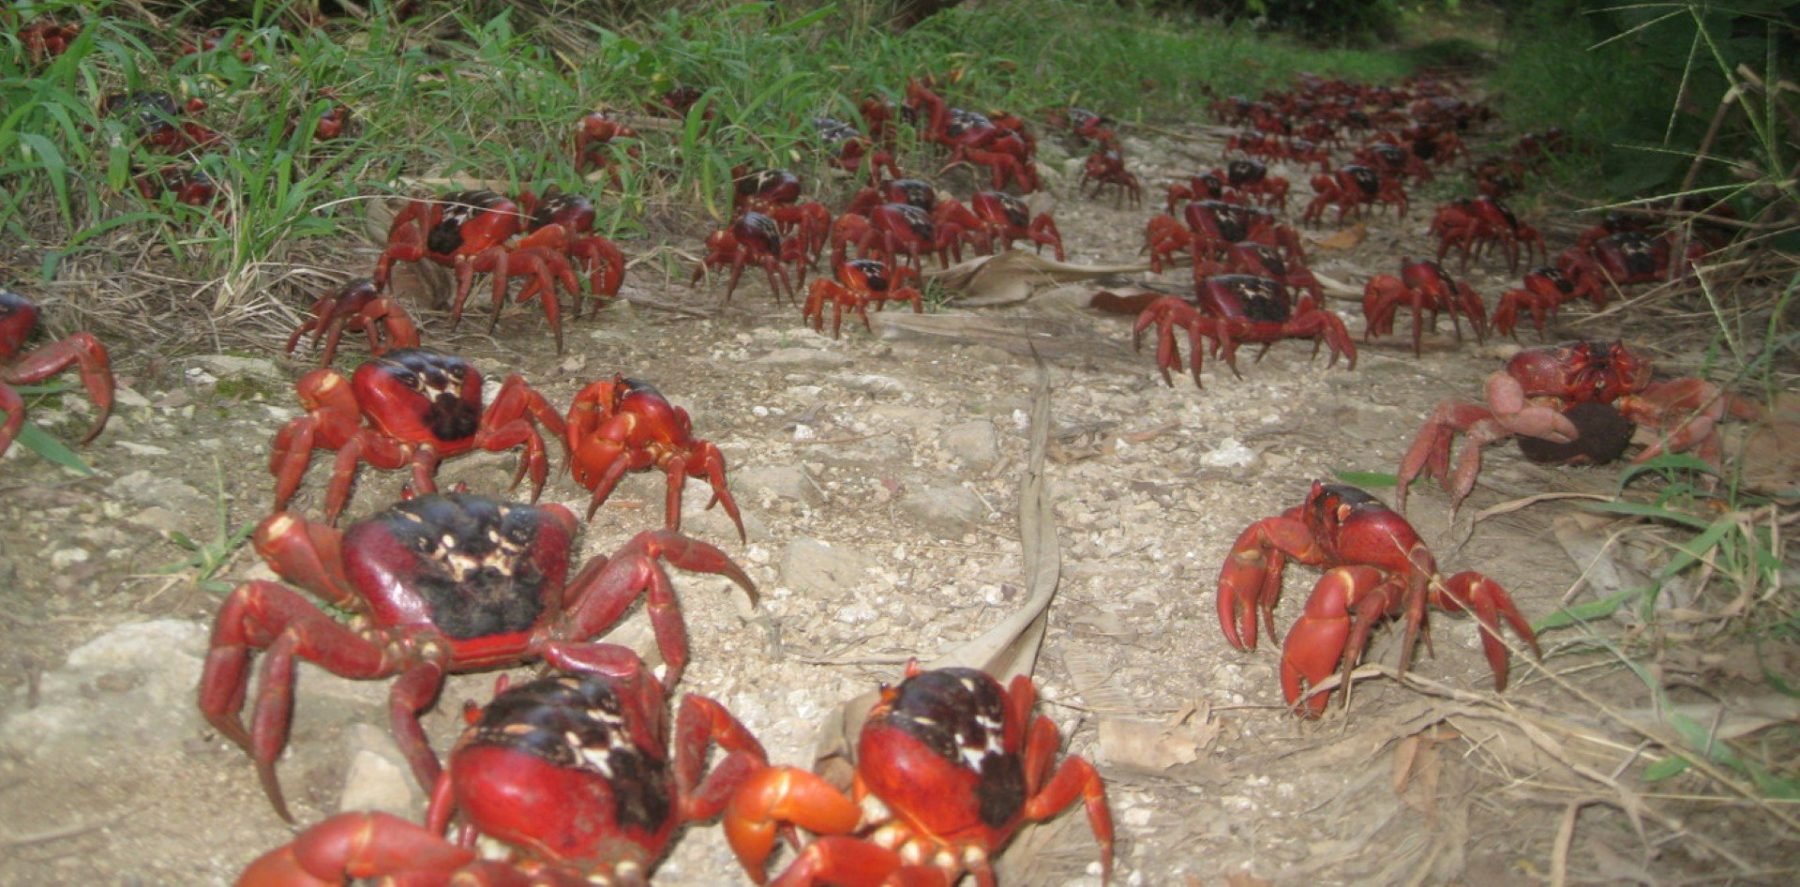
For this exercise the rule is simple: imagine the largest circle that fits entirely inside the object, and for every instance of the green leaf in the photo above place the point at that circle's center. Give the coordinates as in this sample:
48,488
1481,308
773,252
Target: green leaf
40,442
1667,462
1587,612
1674,765
1639,509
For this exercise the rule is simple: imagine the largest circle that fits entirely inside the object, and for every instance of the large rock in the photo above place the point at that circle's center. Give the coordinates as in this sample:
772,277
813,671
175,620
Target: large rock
133,685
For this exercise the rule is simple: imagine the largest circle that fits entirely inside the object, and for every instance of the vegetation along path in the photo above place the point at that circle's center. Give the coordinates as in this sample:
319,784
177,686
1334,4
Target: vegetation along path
1228,285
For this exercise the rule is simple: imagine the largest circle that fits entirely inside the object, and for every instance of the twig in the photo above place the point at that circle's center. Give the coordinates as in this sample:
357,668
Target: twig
55,834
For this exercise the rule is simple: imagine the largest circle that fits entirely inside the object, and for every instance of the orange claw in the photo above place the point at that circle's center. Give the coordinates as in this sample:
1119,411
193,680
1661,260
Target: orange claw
777,796
354,845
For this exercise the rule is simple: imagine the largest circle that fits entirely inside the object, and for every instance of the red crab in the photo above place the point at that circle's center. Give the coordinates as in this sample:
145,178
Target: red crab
900,229
564,223
159,122
594,137
1233,308
1200,186
1105,168
1007,218
188,185
1428,289
1262,260
357,306
577,775
46,38
1630,257
762,188
412,407
618,425
1215,225
1471,224
1252,177
1375,567
1350,189
859,282
440,584
849,149
1545,290
916,192
471,232
1529,397
18,317
754,239
949,766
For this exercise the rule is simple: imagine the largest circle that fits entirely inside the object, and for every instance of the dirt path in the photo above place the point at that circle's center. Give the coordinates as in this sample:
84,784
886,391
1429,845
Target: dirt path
879,476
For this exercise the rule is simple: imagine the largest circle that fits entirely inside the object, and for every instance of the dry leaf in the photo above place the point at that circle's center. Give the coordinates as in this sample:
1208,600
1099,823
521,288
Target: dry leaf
1012,275
1154,746
1346,238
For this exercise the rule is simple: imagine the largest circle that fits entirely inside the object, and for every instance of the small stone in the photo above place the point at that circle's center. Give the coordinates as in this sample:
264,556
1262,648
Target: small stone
812,566
780,481
229,366
974,443
64,558
803,357
948,511
378,778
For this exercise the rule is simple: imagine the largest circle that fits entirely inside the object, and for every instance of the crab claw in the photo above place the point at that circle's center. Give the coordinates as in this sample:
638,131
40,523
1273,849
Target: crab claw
1250,580
355,845
1475,593
780,795
1344,607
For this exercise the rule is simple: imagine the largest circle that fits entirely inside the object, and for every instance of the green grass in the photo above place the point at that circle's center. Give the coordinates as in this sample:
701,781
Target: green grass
495,99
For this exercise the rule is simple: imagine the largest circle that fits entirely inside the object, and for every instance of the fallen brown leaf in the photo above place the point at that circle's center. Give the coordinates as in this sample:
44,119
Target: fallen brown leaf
1346,238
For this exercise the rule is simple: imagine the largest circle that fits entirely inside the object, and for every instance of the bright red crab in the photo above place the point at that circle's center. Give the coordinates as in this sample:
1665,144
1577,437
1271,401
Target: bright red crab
18,317
618,425
1470,225
1530,396
1007,218
754,239
916,192
357,306
1544,291
900,229
441,584
564,223
949,766
859,282
1229,309
1350,189
594,149
1252,178
471,232
1105,168
577,775
1200,186
412,407
1428,289
1262,260
1375,567
1215,225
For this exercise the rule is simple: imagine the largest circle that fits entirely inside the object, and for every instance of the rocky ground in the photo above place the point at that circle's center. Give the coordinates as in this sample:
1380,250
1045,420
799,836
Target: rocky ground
880,481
